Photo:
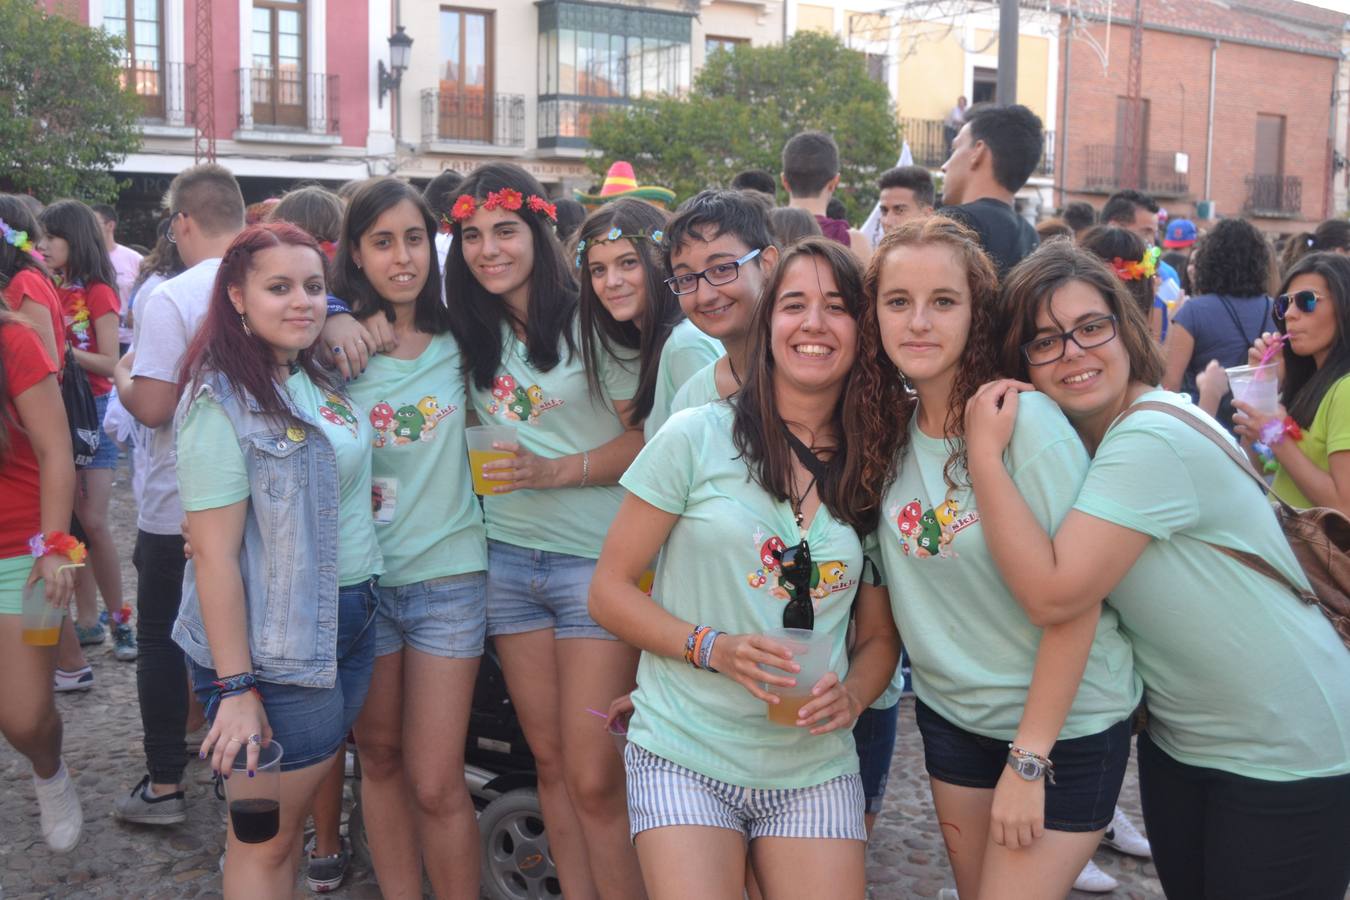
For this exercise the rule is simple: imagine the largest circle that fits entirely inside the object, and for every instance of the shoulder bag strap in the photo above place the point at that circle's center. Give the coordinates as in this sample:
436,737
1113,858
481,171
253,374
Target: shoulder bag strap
1251,560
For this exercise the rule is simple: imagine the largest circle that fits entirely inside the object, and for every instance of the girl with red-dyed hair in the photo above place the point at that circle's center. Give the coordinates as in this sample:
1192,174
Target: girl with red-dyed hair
274,470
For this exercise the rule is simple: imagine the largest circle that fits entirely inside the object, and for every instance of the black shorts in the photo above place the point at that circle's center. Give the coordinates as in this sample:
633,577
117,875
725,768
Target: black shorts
1088,770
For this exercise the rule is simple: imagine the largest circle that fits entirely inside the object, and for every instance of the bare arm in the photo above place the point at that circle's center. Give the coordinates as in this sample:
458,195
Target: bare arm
39,318
43,415
151,401
105,334
1178,350
603,465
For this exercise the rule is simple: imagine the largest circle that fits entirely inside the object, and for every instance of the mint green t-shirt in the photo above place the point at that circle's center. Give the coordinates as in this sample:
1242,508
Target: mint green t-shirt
428,520
686,352
555,415
1329,433
212,472
971,647
717,568
1240,675
701,388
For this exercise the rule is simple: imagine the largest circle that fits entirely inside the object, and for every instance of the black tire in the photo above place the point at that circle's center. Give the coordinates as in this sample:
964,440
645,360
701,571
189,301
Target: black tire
517,864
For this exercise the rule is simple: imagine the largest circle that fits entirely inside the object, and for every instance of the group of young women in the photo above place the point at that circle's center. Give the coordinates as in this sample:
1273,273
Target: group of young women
911,452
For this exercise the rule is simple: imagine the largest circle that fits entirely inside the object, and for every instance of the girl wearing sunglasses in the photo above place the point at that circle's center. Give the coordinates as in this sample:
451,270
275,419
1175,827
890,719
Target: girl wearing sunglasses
1244,768
1003,706
1309,432
756,505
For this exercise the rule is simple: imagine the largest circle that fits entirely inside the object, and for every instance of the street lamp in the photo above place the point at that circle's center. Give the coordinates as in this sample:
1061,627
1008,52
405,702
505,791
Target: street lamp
400,49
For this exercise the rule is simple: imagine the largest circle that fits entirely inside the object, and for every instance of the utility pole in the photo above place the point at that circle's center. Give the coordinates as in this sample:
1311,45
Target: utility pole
1007,53
1134,172
204,110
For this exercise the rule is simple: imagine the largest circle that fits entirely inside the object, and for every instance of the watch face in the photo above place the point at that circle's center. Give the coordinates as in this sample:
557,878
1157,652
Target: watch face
1027,768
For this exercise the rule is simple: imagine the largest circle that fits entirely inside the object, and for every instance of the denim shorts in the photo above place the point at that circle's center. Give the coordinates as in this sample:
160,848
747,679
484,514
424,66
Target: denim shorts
105,457
662,793
1088,770
311,723
440,616
532,589
874,736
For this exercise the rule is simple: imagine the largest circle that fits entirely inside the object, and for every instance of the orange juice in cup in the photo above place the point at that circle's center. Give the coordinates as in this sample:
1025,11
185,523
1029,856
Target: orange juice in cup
480,439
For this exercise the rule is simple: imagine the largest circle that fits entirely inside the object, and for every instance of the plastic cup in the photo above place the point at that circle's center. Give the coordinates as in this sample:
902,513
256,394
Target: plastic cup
480,439
255,803
811,650
1256,385
41,620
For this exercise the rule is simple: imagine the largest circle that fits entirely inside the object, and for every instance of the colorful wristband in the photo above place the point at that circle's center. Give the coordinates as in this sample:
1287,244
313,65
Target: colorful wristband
59,543
338,307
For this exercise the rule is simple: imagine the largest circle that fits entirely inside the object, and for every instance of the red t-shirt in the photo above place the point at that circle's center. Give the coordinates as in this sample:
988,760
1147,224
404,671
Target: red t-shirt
26,363
83,307
37,287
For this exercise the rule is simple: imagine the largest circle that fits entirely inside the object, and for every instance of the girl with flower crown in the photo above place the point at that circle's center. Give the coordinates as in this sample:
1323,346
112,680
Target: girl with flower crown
73,246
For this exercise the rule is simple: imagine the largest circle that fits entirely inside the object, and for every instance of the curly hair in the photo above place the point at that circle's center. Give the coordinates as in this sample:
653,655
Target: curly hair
884,384
1234,260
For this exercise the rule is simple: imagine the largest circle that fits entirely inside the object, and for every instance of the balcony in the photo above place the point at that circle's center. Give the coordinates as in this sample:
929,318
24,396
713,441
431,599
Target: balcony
566,121
168,91
287,100
1274,196
494,120
929,143
1107,170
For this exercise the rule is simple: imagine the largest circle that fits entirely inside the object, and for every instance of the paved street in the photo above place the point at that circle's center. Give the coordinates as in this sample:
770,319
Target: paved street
103,751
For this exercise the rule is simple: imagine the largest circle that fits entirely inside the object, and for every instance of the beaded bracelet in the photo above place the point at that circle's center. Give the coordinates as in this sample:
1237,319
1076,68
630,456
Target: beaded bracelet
585,468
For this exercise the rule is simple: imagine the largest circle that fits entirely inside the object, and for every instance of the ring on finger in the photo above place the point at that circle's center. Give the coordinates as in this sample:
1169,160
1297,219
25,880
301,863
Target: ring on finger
255,738
234,741
337,349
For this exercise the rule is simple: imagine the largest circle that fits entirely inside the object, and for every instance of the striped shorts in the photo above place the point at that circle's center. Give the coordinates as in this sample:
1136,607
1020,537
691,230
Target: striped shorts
662,793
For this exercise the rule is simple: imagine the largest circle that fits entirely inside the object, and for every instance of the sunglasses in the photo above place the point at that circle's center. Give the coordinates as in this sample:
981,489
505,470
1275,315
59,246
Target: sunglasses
795,564
1306,301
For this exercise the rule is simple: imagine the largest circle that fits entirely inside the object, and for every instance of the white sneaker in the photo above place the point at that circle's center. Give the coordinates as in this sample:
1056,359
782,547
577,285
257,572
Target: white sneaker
61,816
1094,880
1123,836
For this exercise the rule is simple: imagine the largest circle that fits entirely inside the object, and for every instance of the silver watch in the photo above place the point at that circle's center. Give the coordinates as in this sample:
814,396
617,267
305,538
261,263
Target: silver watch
1029,767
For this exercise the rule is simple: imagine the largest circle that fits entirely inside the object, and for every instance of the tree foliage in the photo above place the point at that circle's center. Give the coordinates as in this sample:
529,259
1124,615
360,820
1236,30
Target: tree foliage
744,106
65,116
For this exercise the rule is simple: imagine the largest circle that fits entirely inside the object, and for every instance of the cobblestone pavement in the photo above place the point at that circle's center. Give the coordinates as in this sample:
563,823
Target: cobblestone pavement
116,861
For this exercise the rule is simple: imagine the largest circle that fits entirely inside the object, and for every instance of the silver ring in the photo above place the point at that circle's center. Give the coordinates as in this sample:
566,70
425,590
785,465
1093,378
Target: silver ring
255,738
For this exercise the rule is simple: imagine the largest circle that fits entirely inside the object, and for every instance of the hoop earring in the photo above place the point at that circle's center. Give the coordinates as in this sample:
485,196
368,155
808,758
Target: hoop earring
243,321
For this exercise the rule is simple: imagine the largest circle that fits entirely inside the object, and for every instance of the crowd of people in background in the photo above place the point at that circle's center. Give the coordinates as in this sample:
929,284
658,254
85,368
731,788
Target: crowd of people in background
937,448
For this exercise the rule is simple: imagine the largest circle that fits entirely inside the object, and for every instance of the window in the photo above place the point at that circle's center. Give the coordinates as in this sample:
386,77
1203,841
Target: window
1132,173
712,44
139,23
465,99
876,67
1269,146
277,79
984,86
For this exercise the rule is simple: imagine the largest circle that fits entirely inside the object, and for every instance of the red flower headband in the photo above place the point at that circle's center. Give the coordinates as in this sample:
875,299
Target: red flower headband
1129,270
508,199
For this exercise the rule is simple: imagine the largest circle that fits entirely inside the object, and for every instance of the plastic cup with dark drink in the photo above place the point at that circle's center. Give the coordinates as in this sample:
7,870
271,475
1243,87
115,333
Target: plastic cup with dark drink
255,803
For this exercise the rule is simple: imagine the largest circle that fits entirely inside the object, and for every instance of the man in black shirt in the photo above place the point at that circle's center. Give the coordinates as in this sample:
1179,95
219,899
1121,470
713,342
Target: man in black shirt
992,157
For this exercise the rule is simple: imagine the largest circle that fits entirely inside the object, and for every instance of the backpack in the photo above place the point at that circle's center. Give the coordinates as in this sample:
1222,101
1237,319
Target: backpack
1319,536
81,411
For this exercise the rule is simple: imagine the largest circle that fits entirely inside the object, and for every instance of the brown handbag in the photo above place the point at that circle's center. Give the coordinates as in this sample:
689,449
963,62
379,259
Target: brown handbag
1319,536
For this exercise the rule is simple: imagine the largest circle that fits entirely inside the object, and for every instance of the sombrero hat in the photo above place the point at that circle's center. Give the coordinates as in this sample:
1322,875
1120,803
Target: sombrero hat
621,182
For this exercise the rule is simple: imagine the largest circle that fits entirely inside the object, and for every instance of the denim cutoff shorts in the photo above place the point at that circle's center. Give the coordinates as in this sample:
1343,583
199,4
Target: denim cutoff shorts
312,723
105,457
532,589
1088,770
874,738
440,616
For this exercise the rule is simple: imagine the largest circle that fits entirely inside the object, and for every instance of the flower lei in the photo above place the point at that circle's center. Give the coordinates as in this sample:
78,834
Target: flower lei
79,317
17,239
617,233
508,199
1144,268
57,542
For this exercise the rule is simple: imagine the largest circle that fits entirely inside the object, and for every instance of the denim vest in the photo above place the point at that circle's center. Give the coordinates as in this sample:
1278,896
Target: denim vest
288,560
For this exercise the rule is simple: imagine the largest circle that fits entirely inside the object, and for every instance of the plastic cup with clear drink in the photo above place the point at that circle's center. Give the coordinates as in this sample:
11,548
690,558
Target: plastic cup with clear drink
41,620
811,650
480,439
1257,386
255,803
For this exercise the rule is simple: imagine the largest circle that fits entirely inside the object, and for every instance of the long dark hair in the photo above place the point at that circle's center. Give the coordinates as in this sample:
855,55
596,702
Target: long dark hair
76,224
661,312
7,421
222,345
477,316
372,200
16,215
758,429
1304,383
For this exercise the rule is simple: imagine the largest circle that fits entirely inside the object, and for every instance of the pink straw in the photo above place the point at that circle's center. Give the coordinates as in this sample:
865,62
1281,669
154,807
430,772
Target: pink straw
1276,343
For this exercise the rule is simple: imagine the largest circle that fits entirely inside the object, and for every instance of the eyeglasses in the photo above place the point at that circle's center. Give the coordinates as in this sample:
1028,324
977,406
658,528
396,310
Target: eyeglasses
795,564
1306,301
168,232
1050,348
722,273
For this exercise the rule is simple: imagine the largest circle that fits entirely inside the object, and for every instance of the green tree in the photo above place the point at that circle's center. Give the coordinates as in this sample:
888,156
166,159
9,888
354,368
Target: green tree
67,117
744,106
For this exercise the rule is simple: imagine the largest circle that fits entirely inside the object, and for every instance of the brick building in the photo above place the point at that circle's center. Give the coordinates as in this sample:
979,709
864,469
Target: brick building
1239,107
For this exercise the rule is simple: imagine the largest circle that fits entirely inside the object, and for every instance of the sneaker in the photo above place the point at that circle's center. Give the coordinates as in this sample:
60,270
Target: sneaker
62,819
94,634
1094,880
124,643
325,873
79,680
1123,836
144,808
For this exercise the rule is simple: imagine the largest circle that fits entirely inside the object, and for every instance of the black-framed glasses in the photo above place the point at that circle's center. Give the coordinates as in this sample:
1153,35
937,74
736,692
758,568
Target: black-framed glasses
1306,301
1050,348
720,274
795,565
